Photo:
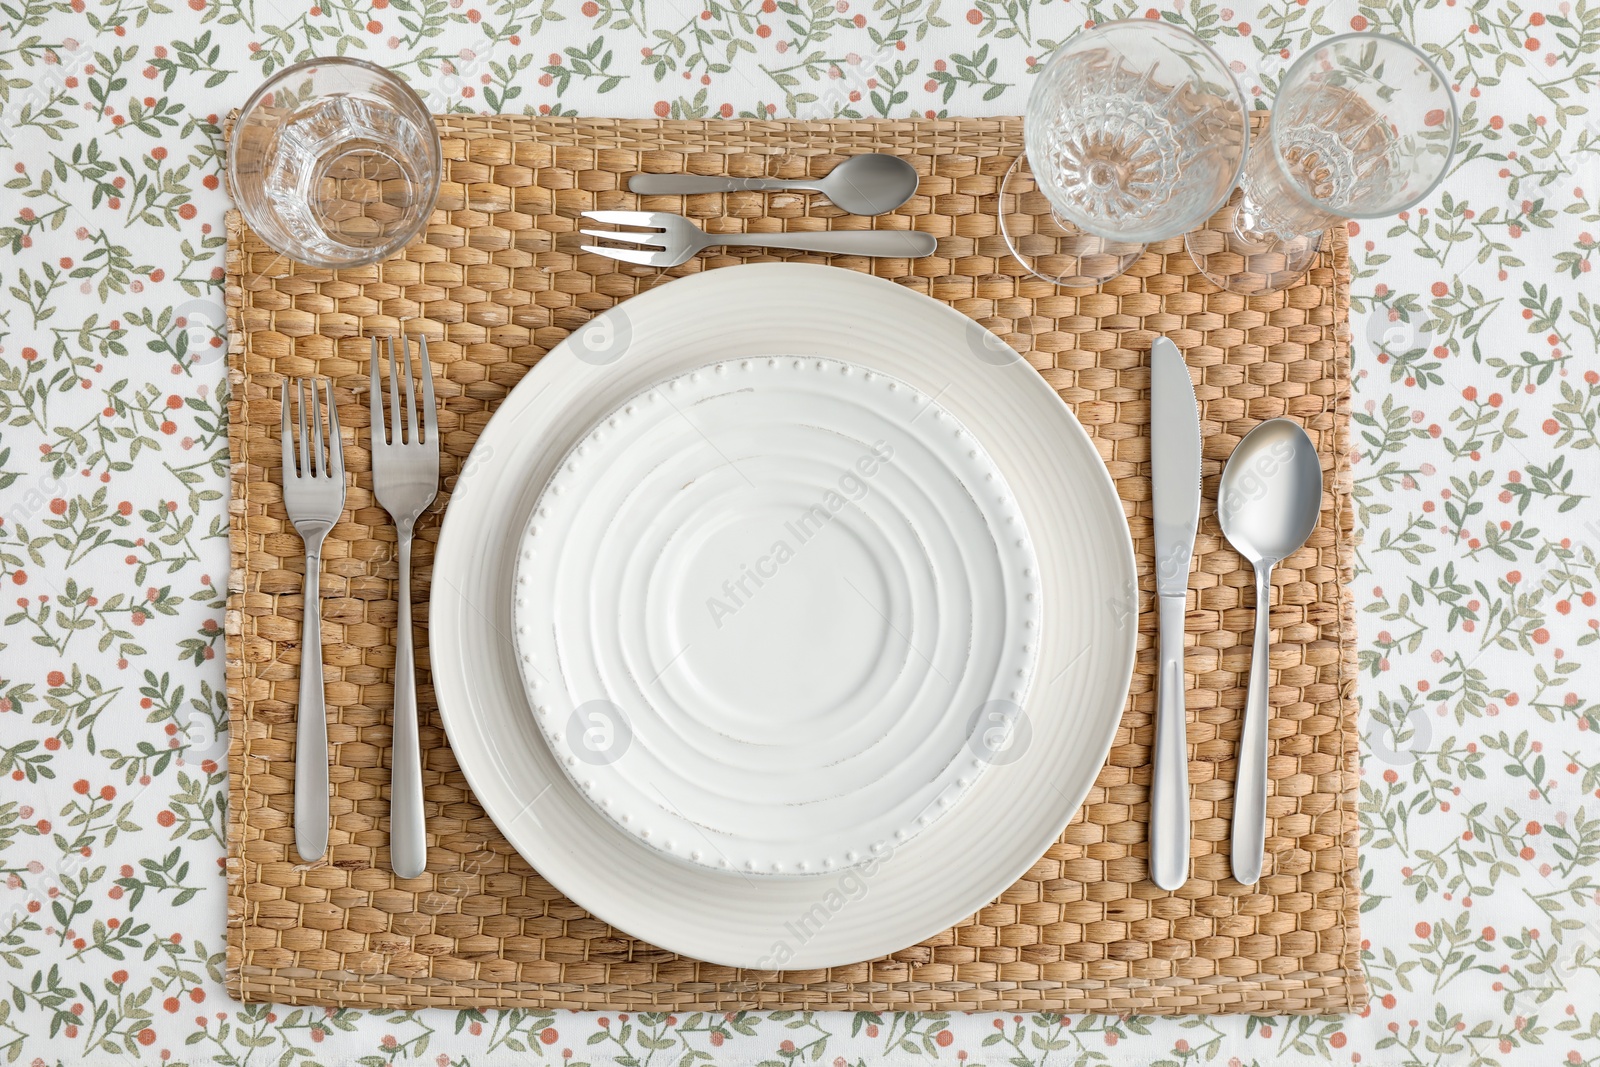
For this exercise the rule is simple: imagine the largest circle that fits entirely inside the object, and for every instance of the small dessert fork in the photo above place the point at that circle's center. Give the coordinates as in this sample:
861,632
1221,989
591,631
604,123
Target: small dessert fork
313,494
405,479
669,240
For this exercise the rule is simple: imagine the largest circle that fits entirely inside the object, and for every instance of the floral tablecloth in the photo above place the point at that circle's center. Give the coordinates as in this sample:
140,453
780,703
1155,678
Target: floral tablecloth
1478,396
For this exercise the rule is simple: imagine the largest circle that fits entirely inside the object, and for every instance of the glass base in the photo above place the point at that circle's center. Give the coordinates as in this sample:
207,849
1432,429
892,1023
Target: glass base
1249,266
1049,246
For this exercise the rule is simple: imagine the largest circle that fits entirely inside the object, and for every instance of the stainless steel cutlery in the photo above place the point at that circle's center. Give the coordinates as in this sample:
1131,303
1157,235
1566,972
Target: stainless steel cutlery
873,183
313,495
666,240
405,479
1268,501
1175,487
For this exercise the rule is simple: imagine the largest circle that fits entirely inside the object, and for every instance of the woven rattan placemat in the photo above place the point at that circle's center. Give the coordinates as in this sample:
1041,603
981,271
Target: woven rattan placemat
494,285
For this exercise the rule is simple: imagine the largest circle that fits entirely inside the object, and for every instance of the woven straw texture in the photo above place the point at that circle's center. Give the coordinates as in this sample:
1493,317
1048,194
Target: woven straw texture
496,282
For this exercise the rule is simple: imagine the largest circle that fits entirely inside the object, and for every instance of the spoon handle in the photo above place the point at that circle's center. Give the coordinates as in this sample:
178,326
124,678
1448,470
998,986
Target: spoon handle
686,184
1250,791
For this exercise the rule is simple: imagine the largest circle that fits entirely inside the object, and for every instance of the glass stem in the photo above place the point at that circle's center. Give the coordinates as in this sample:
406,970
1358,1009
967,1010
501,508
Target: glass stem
1271,208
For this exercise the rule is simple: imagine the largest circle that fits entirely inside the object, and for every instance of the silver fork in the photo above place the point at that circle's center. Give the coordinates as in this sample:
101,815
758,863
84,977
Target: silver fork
313,494
405,479
673,239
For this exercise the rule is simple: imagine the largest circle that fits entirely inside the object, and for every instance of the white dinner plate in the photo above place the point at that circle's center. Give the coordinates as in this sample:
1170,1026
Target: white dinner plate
776,615
1012,812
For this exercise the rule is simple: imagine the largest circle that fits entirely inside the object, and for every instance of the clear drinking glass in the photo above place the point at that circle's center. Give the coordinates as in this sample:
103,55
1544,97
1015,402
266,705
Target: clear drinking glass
1136,132
335,162
1363,127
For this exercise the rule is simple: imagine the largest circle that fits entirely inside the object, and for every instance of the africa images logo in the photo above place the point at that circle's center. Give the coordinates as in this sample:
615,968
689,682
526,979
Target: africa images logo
851,487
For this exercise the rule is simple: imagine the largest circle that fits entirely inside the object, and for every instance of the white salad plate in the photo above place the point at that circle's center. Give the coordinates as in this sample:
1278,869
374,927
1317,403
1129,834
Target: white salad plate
776,615
815,334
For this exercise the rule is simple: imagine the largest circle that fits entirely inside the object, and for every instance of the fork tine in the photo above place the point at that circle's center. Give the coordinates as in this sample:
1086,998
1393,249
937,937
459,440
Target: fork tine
335,443
287,437
396,427
305,442
430,413
375,399
647,238
319,462
411,394
628,255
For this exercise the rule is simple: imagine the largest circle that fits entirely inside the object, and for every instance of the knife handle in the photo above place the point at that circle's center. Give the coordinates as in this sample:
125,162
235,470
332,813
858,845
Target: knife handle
1169,784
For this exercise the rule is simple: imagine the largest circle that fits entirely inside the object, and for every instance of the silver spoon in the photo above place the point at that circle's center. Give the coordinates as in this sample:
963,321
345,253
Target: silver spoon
1268,501
870,184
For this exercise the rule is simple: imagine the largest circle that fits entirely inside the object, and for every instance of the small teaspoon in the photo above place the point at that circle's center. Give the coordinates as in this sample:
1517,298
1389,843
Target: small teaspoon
1267,502
870,184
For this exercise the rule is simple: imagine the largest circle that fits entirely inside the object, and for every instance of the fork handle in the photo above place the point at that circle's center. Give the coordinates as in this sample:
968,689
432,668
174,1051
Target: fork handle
311,725
685,184
905,244
408,843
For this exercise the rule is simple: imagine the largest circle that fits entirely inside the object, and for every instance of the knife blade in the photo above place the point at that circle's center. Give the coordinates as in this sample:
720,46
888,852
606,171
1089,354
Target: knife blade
1175,491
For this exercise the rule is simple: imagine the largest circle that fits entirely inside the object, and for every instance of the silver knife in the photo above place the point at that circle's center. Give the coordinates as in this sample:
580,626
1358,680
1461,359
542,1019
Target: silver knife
1175,487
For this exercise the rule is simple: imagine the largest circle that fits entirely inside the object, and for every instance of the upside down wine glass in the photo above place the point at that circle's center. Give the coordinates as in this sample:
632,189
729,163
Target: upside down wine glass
1363,127
1136,132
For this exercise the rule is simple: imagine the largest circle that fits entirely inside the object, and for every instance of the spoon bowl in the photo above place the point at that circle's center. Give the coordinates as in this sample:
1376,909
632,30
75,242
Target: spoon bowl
870,184
1271,492
873,183
1268,503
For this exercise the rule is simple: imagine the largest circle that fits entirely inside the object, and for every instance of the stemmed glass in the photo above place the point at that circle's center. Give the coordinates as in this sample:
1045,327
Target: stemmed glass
1136,132
1363,126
